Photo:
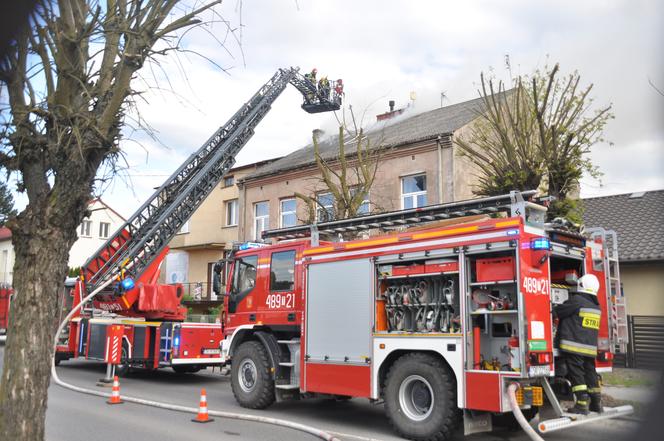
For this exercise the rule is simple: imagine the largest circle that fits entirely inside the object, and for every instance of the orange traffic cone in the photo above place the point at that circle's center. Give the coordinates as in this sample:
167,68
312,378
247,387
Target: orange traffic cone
202,416
115,393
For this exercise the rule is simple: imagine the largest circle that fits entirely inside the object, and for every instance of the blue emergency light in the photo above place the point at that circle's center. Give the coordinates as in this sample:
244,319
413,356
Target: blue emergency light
176,342
127,284
541,243
250,245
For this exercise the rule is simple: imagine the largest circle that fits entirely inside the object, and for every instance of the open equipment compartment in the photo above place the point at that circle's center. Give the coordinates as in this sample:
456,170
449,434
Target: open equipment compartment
419,294
492,307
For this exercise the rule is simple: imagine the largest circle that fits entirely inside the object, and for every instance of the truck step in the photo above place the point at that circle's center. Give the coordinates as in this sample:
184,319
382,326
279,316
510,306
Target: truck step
288,342
287,386
286,364
569,420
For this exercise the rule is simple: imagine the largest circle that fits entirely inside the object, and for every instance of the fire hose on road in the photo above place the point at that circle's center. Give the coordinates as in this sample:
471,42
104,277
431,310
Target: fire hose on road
235,416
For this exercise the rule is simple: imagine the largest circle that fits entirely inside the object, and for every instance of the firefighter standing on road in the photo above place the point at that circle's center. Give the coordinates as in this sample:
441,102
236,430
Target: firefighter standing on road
577,332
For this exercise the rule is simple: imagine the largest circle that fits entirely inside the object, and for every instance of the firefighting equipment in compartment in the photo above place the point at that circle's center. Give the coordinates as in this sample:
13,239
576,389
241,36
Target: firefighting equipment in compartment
481,298
588,284
421,305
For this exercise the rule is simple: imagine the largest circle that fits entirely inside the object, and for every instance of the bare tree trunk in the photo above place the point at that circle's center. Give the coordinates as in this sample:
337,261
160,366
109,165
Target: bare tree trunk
42,252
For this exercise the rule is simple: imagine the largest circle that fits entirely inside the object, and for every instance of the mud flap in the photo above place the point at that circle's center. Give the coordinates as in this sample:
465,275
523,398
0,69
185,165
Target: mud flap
476,422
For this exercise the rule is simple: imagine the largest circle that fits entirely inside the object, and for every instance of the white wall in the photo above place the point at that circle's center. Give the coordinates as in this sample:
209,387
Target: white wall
6,261
85,246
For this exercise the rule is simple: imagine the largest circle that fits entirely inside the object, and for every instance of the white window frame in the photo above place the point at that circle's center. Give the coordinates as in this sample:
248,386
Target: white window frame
106,226
320,208
230,210
412,195
366,201
86,228
184,229
283,213
263,219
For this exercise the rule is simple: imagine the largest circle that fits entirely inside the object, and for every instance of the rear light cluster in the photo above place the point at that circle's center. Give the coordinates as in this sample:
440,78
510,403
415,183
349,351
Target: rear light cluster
530,395
604,356
540,358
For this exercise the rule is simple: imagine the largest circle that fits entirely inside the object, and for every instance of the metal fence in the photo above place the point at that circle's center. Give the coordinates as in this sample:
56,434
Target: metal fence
646,343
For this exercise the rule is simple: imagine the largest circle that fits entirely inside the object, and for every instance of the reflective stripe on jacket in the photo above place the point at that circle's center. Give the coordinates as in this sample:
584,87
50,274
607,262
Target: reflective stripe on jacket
579,324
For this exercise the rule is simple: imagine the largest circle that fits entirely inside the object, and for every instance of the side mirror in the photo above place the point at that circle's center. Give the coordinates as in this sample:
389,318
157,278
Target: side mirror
216,278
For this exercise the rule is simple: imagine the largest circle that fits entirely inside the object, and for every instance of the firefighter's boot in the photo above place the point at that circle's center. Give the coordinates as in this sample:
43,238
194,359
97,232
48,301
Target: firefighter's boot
582,400
596,400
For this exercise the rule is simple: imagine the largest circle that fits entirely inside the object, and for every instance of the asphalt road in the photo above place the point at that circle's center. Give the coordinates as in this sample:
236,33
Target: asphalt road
72,416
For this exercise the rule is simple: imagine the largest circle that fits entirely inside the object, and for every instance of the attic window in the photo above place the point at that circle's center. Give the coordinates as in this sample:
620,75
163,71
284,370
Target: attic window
637,195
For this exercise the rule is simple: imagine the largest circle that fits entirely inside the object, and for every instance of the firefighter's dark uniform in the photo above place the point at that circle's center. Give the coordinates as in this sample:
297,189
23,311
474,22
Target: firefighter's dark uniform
577,339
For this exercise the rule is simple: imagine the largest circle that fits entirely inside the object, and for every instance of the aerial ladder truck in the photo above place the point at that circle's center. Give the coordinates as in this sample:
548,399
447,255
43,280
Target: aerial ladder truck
136,321
448,321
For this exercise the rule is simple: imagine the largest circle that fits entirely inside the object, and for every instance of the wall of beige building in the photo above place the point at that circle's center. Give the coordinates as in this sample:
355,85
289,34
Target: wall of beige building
429,158
643,285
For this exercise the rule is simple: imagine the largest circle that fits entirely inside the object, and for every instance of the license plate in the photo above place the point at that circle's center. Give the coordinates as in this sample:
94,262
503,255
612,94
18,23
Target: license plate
211,351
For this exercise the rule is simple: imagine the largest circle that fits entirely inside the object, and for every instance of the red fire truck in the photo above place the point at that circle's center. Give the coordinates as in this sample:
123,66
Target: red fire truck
5,298
436,321
136,321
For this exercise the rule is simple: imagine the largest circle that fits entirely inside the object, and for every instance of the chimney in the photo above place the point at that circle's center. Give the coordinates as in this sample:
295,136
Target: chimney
391,113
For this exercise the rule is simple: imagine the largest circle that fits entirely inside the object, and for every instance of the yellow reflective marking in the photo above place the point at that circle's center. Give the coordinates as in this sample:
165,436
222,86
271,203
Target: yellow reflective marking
318,250
444,232
590,322
371,243
264,260
124,300
578,350
508,223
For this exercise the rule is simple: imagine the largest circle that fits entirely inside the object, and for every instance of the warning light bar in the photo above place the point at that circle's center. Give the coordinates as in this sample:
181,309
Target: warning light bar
541,243
251,245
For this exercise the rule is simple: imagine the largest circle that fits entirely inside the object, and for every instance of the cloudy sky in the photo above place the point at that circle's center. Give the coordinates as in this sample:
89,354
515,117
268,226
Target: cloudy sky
387,49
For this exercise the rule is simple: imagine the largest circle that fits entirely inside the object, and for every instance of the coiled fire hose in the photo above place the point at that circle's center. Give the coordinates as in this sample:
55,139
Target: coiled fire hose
511,393
235,416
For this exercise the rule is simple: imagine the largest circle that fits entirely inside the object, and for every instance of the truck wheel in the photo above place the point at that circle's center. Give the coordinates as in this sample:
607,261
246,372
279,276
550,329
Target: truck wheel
420,398
123,368
251,381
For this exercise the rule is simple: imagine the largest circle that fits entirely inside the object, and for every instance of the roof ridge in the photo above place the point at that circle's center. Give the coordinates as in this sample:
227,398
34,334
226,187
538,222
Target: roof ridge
623,194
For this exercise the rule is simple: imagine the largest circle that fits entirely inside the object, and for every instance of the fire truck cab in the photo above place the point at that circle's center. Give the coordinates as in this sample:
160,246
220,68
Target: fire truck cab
436,322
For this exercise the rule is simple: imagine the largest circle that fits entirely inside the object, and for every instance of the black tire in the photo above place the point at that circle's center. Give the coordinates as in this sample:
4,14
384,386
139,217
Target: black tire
251,381
509,422
123,368
420,398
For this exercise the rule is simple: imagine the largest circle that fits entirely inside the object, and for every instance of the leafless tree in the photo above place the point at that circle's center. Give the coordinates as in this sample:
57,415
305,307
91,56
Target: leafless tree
65,85
536,135
346,177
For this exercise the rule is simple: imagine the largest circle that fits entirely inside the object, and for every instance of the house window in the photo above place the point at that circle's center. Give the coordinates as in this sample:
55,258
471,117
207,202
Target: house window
364,208
288,214
228,181
413,191
103,229
261,218
86,227
184,228
325,207
231,212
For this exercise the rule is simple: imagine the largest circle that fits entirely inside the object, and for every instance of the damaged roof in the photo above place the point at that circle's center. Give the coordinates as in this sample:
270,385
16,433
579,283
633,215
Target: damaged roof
638,218
400,130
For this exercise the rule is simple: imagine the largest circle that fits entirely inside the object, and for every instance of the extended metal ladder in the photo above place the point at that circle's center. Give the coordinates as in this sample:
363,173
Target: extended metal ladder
618,328
145,234
515,202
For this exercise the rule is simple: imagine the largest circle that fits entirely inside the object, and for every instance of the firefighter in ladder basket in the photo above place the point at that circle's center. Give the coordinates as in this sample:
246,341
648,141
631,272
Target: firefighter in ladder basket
577,338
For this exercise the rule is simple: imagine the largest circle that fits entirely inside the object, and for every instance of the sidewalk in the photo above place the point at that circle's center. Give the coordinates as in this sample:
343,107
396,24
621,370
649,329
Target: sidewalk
639,394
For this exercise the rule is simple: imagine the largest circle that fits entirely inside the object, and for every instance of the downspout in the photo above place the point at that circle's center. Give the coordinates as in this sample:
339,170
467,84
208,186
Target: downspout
440,170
